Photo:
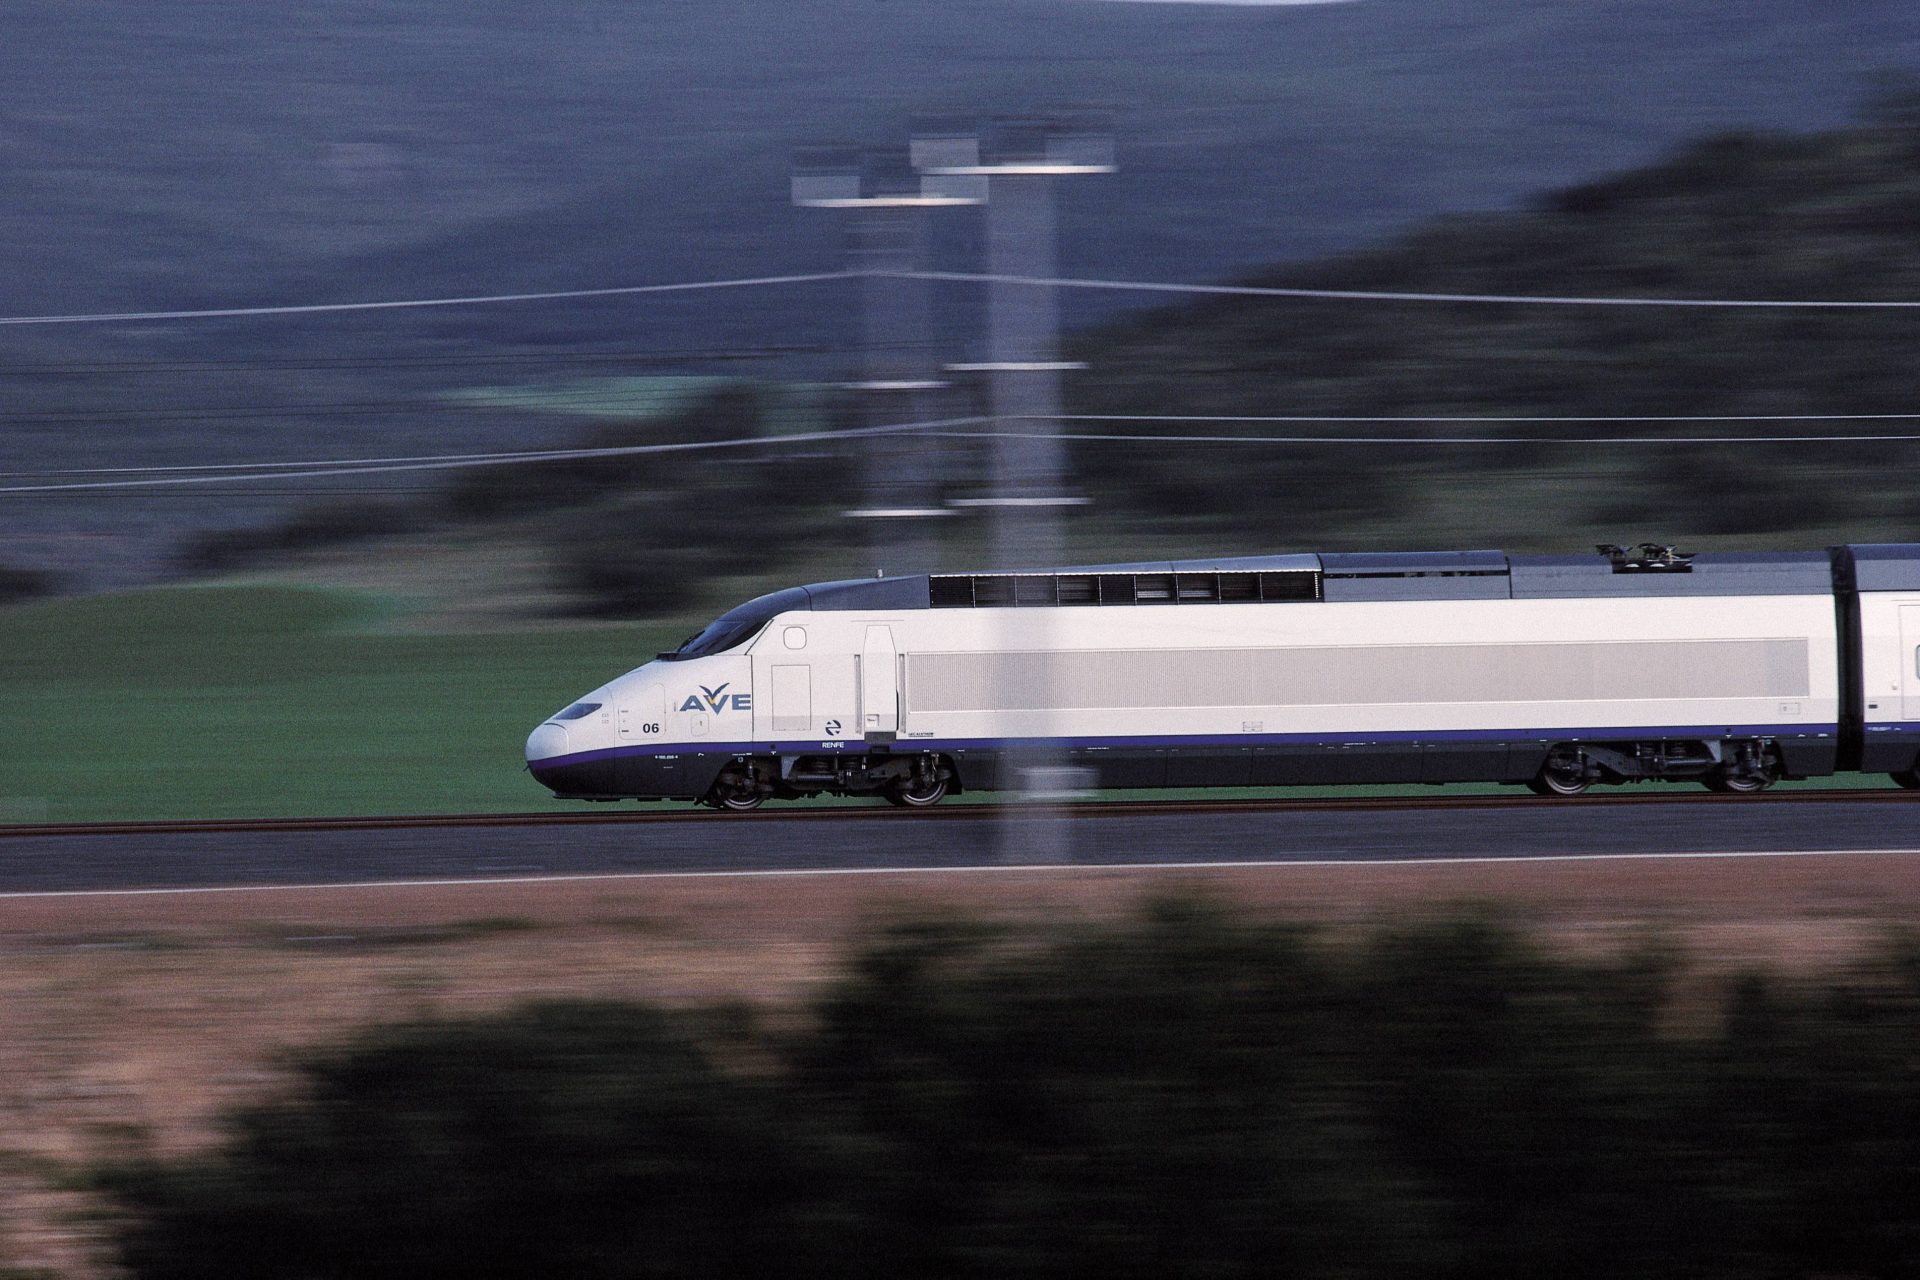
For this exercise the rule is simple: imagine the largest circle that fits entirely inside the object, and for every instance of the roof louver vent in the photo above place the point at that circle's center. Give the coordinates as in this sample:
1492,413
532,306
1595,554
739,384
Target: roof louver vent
1648,557
1016,590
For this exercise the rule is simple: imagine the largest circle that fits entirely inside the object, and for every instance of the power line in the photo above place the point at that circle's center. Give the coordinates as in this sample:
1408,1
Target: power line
239,469
530,455
1636,442
607,400
1382,295
502,455
405,304
971,277
1490,418
289,471
503,358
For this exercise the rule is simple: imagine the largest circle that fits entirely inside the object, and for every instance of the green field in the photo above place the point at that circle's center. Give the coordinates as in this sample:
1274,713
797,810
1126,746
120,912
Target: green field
276,701
271,701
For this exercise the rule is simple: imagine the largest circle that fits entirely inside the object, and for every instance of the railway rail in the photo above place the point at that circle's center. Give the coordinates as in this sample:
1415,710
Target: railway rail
1079,809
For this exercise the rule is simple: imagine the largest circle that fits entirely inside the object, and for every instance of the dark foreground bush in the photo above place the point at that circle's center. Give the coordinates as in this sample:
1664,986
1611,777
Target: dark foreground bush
567,1140
1182,1095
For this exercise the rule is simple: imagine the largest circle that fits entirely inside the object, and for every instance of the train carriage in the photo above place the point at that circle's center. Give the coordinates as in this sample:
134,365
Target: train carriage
1557,672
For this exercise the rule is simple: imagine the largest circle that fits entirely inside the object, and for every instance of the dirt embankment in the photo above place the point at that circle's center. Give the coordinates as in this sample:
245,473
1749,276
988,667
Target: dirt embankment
148,1014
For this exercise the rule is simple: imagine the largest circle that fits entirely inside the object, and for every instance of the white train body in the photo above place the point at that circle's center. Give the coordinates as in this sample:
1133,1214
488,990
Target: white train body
1274,670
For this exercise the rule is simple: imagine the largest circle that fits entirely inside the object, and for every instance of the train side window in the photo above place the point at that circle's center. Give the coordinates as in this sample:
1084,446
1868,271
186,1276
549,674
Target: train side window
794,637
1153,588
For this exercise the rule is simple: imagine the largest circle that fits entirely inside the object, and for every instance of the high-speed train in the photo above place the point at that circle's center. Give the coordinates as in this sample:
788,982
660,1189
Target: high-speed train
1559,672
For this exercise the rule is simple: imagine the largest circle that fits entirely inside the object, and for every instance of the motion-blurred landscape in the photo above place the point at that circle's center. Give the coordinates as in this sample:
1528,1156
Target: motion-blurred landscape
178,157
214,155
1541,1064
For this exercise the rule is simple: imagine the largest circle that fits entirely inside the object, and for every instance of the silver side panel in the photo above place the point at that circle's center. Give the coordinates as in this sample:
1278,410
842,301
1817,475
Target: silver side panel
1383,674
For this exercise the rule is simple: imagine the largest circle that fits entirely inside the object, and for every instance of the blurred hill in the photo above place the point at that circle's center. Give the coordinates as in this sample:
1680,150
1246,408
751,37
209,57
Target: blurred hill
1831,215
1786,216
218,153
167,155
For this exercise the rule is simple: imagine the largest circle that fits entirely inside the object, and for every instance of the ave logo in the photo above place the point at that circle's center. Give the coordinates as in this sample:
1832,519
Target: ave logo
717,700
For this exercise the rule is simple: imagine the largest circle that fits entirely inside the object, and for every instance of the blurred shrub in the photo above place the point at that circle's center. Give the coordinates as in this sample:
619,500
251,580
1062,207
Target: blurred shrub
310,528
537,488
17,584
651,555
652,552
572,1140
630,535
1186,1093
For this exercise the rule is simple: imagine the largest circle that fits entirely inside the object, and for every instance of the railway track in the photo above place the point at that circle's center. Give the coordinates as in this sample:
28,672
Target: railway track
951,813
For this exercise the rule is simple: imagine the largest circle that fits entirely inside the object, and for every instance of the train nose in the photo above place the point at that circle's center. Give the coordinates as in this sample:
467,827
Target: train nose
548,742
573,771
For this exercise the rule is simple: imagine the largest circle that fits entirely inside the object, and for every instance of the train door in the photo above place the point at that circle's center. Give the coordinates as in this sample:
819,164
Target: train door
641,714
879,685
806,681
791,690
1910,662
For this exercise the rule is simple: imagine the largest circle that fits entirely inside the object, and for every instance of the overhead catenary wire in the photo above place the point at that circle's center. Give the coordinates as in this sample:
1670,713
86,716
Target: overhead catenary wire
1400,295
935,428
410,304
293,466
580,401
350,468
968,277
646,357
666,356
1488,418
1118,437
593,401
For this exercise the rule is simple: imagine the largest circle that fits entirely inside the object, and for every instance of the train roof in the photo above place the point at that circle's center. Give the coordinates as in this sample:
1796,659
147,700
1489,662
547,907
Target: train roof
1375,575
1885,566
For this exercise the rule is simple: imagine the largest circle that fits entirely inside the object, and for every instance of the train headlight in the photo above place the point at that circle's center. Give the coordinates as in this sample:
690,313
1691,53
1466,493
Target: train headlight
546,742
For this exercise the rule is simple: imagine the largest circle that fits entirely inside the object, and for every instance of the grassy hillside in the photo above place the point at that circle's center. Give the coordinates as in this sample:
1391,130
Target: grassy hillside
1743,216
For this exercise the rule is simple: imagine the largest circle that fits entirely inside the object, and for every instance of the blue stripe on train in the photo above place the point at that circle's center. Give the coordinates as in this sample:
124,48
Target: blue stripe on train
814,746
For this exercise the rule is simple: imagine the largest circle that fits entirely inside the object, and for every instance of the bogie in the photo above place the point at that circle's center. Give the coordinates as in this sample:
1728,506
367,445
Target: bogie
924,788
740,787
1747,769
1565,773
1742,766
909,781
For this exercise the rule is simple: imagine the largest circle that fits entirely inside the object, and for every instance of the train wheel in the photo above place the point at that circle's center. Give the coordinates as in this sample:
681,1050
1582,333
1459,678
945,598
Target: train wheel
1748,773
1909,778
919,793
735,794
1564,774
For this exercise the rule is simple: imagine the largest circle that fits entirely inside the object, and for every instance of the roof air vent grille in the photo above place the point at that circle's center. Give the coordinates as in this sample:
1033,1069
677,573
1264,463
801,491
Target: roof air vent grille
1648,557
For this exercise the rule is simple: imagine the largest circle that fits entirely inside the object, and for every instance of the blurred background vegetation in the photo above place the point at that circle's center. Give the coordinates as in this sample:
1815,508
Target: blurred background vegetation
1831,215
1187,1092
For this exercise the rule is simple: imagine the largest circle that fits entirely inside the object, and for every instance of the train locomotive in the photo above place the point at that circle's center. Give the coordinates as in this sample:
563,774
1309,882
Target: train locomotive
1733,670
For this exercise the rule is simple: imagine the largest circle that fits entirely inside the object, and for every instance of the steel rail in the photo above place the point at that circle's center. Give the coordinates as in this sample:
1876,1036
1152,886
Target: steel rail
956,812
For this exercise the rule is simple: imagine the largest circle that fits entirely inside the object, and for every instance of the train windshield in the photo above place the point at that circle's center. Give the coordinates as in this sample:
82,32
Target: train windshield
737,626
